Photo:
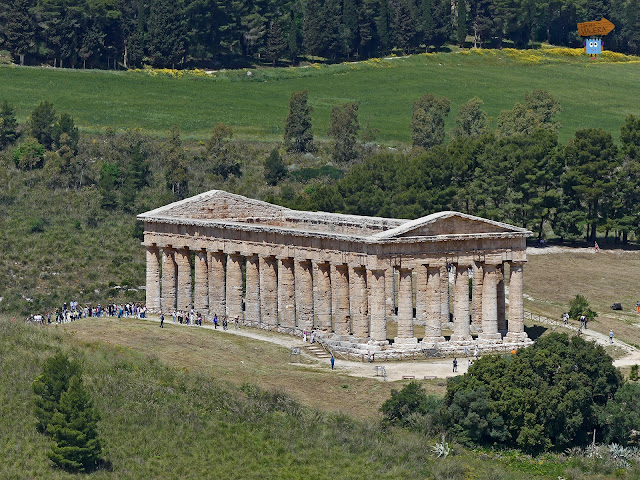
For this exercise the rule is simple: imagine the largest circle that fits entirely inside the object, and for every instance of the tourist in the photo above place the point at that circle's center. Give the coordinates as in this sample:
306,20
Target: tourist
611,336
237,322
304,336
224,323
313,336
455,365
565,318
215,321
161,320
333,361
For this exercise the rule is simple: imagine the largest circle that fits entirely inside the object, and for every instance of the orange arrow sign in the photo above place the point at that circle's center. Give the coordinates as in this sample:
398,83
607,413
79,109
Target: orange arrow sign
600,27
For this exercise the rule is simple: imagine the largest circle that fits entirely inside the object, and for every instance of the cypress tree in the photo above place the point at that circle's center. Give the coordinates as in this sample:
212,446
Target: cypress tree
344,130
75,431
461,23
8,125
274,168
41,122
298,136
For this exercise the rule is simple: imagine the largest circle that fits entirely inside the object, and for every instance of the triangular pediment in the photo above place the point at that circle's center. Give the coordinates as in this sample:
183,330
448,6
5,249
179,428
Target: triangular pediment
449,223
218,205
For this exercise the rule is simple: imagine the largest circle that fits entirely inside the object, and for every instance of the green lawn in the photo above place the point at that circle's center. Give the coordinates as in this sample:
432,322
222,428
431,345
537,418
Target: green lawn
593,93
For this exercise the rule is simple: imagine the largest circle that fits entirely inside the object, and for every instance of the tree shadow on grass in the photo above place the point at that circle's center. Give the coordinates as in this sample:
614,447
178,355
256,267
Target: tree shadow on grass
535,331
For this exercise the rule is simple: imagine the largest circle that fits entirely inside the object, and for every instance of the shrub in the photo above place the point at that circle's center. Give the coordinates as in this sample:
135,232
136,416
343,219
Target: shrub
580,306
633,375
403,406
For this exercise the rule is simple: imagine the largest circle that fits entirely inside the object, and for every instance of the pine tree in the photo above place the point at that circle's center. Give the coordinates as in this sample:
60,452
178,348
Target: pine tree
427,122
19,28
383,25
313,27
298,136
344,131
49,386
349,31
461,23
274,168
41,123
293,39
427,23
177,168
75,431
276,43
8,125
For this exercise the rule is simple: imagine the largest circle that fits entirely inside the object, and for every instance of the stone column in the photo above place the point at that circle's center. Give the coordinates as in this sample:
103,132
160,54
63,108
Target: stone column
445,309
201,283
340,299
304,294
461,332
153,280
378,306
433,325
322,298
234,286
252,292
182,256
516,304
490,305
421,293
217,284
476,298
500,296
286,293
390,291
359,301
168,280
405,310
268,291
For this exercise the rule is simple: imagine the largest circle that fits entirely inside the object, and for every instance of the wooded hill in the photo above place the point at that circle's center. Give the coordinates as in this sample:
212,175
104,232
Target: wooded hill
216,33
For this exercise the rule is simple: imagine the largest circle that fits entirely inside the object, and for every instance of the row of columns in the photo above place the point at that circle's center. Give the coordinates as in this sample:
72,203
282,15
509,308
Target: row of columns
340,298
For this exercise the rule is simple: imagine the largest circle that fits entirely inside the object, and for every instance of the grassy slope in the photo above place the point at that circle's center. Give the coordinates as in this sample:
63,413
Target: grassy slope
168,417
592,93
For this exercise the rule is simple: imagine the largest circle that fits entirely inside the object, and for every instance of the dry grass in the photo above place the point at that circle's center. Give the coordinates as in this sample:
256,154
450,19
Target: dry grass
240,360
553,280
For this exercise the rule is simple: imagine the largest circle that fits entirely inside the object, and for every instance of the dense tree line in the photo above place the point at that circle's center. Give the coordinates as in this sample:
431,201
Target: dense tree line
167,33
517,173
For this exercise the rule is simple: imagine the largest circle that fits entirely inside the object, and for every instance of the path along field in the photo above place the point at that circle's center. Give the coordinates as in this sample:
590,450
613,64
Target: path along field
593,93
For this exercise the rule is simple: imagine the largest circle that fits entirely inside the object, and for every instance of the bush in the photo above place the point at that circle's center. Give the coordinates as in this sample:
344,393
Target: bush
633,375
580,306
404,405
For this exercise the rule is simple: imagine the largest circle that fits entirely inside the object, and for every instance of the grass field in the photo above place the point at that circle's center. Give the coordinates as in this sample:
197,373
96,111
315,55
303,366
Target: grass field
593,93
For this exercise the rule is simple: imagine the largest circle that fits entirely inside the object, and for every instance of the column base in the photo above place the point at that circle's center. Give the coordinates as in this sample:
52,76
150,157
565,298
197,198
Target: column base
490,337
405,342
521,337
461,340
428,342
378,343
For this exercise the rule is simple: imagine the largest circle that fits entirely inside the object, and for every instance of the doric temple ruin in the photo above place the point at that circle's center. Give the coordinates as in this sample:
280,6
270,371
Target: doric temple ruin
348,277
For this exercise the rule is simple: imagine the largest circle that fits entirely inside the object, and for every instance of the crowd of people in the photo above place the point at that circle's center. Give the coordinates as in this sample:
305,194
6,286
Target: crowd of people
72,311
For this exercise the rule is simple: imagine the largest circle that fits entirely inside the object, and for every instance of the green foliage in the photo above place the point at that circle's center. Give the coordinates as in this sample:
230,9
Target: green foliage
633,375
580,306
537,113
344,131
42,124
49,386
274,168
73,428
297,130
66,126
427,121
8,125
548,396
29,154
471,121
177,174
410,400
622,414
219,152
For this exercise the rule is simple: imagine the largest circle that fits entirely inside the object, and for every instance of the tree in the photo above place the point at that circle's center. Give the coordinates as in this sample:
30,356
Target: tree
580,306
274,168
427,122
50,385
293,40
621,416
538,112
427,23
108,183
218,151
405,25
412,399
166,35
42,122
29,154
461,22
19,28
66,125
471,121
74,428
8,125
298,136
344,130
177,168
276,43
313,27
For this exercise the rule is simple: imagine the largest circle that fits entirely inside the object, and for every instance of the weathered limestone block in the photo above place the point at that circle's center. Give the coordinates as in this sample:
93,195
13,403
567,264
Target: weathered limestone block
405,309
268,291
201,283
322,298
490,305
252,291
286,293
217,284
461,331
476,298
378,306
304,294
340,299
433,321
359,304
168,280
234,286
153,280
516,304
500,296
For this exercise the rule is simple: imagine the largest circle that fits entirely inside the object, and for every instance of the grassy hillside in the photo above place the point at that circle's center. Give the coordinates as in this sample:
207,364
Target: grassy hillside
170,413
593,93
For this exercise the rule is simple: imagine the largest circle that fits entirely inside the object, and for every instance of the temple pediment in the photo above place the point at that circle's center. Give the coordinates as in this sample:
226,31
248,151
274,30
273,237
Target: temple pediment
448,223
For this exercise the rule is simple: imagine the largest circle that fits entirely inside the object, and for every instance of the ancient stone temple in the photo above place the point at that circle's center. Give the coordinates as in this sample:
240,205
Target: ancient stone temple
345,276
